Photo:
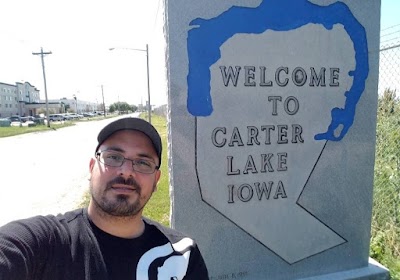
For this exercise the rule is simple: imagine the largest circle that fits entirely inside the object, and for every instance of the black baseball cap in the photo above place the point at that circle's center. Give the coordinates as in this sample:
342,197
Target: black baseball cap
132,124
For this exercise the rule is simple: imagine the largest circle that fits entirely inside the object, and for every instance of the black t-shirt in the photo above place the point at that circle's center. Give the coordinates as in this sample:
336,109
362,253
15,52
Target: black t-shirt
70,247
121,255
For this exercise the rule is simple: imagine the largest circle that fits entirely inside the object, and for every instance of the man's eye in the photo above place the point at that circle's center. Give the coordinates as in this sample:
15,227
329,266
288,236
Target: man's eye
115,157
143,162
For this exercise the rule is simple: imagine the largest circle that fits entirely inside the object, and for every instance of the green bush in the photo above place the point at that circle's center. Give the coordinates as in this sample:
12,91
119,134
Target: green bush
385,233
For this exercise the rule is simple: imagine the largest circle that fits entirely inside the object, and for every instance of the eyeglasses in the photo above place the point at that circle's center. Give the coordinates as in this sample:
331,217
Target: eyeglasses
115,159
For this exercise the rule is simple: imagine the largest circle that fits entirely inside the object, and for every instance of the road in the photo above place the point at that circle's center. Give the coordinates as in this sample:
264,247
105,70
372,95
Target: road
46,172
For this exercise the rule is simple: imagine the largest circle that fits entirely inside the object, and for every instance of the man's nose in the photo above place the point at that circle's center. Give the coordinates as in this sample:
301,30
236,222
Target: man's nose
127,168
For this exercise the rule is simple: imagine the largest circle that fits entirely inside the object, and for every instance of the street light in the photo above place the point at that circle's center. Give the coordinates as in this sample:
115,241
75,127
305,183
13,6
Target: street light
76,104
148,74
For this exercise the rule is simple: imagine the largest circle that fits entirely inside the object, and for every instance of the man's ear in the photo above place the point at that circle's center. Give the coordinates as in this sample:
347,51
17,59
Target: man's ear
157,177
91,165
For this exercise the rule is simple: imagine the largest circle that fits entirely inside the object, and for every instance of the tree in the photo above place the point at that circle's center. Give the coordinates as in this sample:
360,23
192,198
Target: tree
122,107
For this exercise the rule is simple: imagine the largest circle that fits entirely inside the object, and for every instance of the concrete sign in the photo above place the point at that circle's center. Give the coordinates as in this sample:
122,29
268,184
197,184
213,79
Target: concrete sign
264,113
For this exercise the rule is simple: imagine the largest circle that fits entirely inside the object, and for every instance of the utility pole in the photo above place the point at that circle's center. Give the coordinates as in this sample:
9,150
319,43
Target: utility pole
119,109
104,104
148,81
45,86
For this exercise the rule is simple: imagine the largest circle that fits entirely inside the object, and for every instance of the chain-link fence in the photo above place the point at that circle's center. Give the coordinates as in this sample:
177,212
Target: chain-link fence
385,241
389,67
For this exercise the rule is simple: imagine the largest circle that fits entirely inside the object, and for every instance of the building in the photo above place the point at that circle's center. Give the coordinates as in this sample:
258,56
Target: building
23,99
15,98
78,106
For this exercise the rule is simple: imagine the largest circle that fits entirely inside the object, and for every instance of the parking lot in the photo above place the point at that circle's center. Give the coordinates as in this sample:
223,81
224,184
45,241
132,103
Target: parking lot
42,119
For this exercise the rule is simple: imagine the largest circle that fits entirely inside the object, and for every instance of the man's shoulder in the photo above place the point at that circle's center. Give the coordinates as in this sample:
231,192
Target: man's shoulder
41,223
66,218
70,216
171,234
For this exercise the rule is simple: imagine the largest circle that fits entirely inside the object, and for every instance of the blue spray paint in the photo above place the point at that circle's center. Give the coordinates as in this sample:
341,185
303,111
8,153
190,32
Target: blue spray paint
207,36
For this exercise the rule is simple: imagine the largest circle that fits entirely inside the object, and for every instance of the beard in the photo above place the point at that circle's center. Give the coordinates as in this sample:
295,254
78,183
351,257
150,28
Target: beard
120,205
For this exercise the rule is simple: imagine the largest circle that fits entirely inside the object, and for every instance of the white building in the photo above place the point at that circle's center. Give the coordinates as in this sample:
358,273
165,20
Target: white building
77,106
15,98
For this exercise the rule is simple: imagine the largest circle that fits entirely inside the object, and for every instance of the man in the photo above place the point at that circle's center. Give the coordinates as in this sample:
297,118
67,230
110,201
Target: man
110,239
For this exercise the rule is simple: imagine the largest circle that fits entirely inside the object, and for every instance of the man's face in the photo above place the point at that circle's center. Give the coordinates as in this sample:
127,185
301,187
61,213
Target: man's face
121,191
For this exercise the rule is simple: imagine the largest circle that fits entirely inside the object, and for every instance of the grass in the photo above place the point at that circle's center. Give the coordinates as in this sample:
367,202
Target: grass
393,265
158,207
17,130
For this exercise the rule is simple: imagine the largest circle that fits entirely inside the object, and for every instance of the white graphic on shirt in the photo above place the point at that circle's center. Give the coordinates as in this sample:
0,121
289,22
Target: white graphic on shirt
174,267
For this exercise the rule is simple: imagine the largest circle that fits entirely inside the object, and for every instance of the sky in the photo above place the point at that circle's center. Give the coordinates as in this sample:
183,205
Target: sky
80,33
390,22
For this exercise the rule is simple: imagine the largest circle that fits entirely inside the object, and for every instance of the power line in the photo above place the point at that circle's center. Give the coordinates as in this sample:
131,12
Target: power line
392,39
397,31
390,27
155,20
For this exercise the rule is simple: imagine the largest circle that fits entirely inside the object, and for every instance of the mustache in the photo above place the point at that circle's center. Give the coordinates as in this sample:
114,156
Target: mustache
120,180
